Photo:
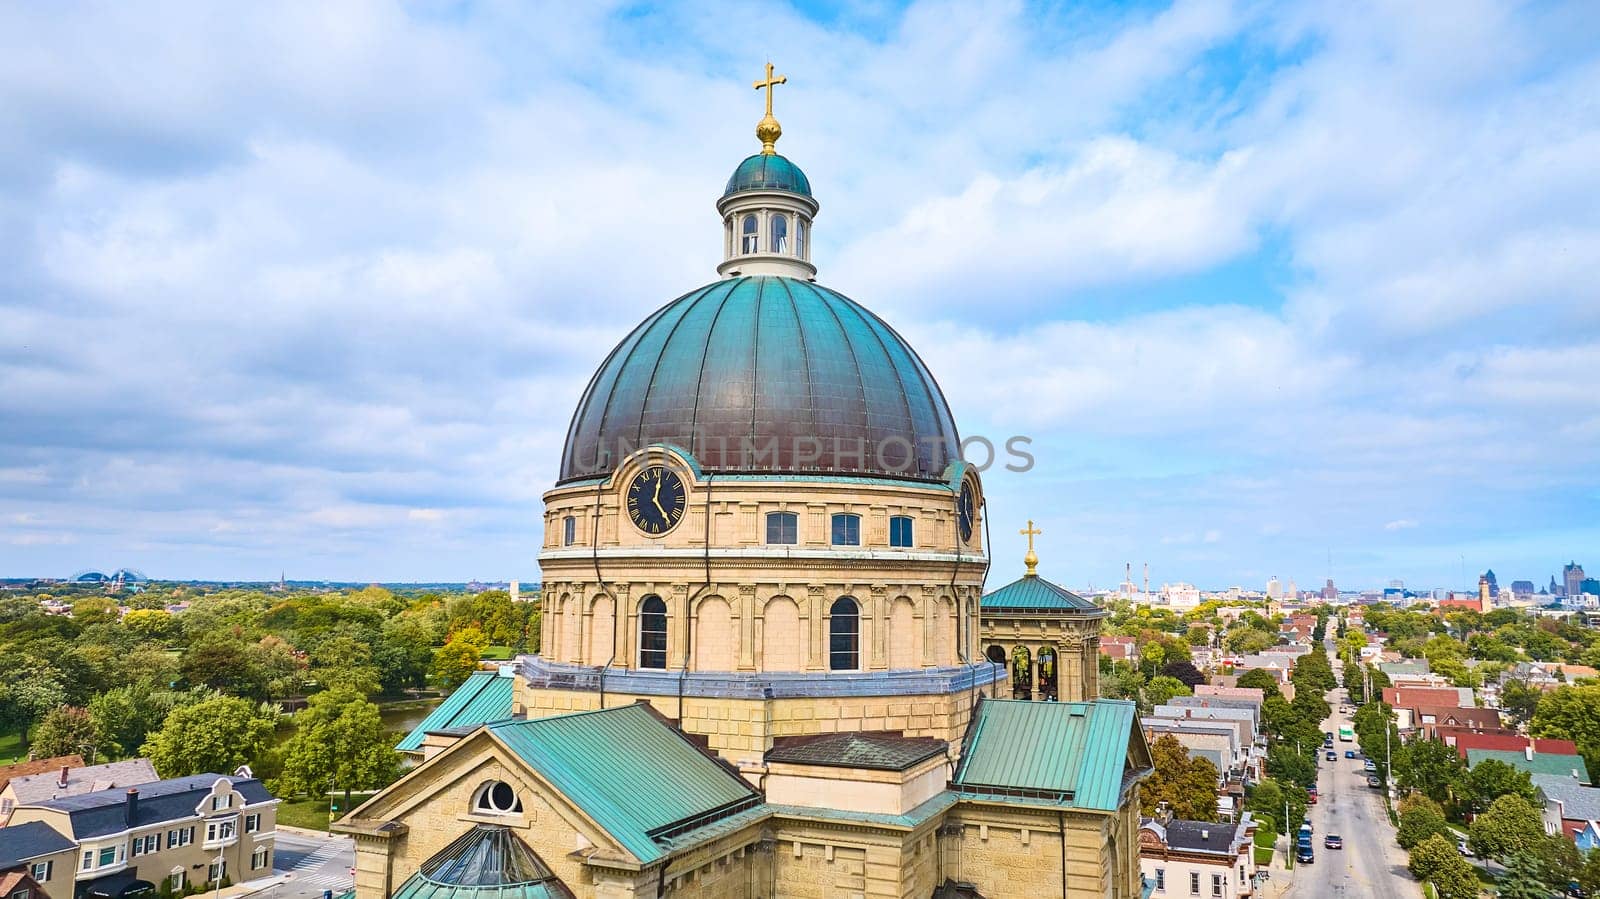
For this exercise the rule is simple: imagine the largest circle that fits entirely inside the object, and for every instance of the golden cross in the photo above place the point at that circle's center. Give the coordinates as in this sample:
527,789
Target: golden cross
769,82
1030,560
1030,532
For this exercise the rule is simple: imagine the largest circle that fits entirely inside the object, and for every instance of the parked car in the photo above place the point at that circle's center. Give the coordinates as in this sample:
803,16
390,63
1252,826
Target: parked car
1333,841
1461,847
1373,782
1332,756
1349,753
1311,796
1304,855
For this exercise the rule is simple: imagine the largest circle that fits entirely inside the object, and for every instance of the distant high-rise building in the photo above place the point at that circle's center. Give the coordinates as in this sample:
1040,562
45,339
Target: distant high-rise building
1294,590
1485,590
1274,589
1522,589
1494,588
1589,586
1572,578
1555,588
1329,591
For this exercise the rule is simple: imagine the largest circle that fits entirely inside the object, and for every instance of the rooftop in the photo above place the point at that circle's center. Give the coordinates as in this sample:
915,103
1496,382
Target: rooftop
1541,763
883,751
1069,753
38,766
1577,801
35,788
485,696
21,842
105,811
1034,593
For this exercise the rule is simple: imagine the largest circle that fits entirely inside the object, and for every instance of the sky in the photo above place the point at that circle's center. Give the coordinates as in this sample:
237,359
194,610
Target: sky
1273,289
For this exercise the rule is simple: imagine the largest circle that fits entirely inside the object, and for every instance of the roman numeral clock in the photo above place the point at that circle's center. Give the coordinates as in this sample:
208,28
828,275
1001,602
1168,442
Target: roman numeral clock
656,500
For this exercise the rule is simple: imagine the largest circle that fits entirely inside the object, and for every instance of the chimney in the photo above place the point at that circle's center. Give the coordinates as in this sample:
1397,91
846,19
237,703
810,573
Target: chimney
62,783
1205,834
132,807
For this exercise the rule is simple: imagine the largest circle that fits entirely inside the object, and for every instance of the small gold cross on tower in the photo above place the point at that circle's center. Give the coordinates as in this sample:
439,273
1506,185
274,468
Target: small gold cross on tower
767,130
1030,560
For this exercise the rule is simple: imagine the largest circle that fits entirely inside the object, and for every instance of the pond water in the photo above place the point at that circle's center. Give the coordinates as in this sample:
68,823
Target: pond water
406,715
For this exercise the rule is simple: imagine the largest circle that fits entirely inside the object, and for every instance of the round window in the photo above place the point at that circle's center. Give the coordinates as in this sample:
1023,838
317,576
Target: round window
497,798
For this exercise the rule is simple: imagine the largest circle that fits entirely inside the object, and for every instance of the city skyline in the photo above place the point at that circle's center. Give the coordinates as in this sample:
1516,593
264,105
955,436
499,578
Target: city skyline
1260,285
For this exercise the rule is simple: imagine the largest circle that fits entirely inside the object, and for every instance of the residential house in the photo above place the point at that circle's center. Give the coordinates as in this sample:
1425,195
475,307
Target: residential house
32,766
1505,741
1120,649
120,842
41,856
1427,719
1570,808
1559,765
72,780
1187,859
1215,741
1253,694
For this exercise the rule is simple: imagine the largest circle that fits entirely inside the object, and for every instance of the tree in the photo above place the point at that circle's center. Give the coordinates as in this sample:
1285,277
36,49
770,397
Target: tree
94,609
1511,825
339,744
342,661
216,735
1571,713
456,661
1185,671
66,730
1312,672
1524,878
1436,861
1492,778
29,688
1187,784
1261,679
1247,640
1420,823
224,664
149,624
1267,799
1430,767
1161,689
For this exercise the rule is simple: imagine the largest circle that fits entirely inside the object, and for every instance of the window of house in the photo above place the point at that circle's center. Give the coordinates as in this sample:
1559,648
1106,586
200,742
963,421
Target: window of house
186,836
653,633
1216,884
569,531
800,237
900,530
220,830
497,798
108,856
21,894
780,234
5,806
1161,880
1241,875
177,881
846,530
42,871
88,859
751,240
216,871
258,859
252,823
218,803
783,528
844,635
1194,883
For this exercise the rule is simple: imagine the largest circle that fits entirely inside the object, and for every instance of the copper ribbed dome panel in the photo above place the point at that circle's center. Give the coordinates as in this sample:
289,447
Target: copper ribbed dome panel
766,375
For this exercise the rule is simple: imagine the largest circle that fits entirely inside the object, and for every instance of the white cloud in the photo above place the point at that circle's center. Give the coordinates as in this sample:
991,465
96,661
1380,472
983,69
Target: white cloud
1400,524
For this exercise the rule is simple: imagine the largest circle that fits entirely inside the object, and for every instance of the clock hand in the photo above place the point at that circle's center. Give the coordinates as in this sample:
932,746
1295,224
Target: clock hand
657,499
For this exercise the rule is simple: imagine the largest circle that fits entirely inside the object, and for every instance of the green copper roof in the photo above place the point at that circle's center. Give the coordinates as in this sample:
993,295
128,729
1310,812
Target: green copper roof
485,697
486,862
640,779
766,375
768,172
1074,753
1541,763
1037,593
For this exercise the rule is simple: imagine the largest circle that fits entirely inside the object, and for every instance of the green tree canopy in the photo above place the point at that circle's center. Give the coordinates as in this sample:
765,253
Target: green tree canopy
1430,767
66,730
213,736
339,743
1261,679
1420,823
1162,688
1436,861
456,661
1492,778
1511,826
1187,784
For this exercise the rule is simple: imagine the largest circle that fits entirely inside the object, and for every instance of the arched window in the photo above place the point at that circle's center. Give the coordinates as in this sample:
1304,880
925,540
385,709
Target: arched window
900,531
1021,673
751,239
780,234
995,654
1047,675
783,528
800,237
497,798
569,531
846,530
652,633
844,635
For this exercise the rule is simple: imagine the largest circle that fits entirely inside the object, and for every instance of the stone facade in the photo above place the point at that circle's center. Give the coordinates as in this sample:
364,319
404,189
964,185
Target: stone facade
1014,638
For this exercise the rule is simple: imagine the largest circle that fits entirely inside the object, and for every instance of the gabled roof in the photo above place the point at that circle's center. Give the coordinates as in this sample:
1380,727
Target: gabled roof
38,766
1070,753
879,751
105,811
1578,802
1034,593
485,696
1541,763
34,788
21,842
1513,743
634,775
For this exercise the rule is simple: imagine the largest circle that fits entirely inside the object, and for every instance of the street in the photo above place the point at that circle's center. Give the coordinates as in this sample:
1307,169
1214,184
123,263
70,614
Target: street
1371,863
313,865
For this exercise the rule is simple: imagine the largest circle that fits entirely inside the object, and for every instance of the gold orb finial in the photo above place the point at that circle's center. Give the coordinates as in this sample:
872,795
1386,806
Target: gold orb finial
768,130
1031,560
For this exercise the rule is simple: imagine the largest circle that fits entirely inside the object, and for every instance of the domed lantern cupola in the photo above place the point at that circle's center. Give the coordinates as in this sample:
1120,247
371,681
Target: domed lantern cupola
767,208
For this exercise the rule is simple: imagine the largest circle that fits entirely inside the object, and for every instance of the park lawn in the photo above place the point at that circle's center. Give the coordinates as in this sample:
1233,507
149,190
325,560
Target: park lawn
311,814
11,749
1264,856
497,653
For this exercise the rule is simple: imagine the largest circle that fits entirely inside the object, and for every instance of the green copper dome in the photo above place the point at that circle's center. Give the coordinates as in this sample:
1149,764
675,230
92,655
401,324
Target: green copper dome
766,375
768,171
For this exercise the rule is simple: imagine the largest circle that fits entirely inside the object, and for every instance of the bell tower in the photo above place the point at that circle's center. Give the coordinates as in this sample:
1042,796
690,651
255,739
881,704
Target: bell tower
768,208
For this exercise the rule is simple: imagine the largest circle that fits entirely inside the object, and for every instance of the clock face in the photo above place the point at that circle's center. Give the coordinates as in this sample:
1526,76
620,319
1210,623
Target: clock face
656,500
966,511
